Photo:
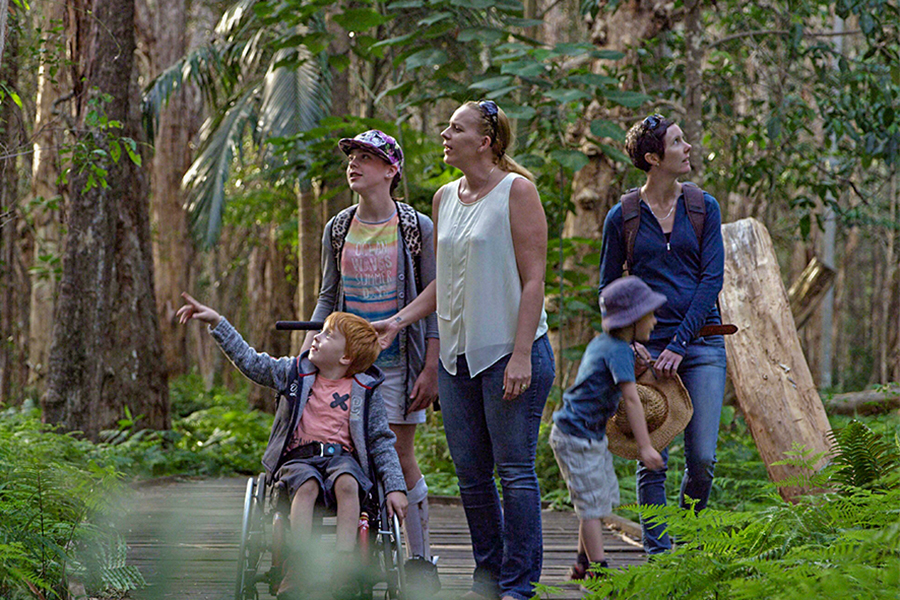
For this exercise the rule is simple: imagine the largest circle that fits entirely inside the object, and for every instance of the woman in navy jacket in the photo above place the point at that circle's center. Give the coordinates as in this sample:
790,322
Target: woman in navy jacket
673,260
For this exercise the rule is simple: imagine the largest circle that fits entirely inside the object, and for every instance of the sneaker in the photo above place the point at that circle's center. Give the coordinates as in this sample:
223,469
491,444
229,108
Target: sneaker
422,577
580,571
593,575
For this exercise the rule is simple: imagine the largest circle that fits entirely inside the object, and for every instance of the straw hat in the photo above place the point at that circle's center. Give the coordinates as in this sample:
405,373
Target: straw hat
667,408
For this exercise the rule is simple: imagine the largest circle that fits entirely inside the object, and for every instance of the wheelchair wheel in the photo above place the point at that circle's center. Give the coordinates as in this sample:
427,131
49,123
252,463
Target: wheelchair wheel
252,540
392,557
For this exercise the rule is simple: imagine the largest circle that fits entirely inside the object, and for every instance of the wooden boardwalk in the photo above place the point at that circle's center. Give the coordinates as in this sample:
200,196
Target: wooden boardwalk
183,536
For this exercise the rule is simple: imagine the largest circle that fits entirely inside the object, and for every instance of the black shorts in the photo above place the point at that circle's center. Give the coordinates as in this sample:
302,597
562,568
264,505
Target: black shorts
325,470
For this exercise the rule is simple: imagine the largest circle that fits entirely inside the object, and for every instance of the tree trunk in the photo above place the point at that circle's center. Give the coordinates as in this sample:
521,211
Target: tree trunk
886,349
340,106
49,134
693,75
895,286
4,12
808,290
309,255
772,381
13,281
843,303
106,356
597,186
270,295
172,247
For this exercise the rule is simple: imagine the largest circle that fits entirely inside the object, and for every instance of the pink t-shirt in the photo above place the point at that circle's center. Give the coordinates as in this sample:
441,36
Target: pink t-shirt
326,417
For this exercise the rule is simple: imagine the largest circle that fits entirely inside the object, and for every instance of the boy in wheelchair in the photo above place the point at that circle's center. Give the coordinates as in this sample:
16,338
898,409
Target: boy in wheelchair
326,433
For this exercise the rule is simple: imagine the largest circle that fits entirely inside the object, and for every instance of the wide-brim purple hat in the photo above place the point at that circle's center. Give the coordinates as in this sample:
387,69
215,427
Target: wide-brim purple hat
378,143
624,301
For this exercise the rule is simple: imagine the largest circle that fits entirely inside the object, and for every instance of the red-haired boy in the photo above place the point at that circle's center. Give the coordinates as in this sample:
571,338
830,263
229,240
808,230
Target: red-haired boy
333,422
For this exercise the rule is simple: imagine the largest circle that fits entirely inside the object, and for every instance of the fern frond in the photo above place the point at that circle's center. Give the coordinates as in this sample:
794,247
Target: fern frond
863,458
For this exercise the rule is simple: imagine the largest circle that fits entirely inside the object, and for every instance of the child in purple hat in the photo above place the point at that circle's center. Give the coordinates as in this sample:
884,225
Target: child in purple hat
578,436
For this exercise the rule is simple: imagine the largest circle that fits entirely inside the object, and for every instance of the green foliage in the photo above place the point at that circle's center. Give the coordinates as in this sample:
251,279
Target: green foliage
97,146
841,543
54,498
796,115
263,78
213,433
864,459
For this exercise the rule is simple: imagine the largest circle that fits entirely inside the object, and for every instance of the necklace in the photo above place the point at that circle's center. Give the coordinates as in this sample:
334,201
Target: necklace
668,214
484,185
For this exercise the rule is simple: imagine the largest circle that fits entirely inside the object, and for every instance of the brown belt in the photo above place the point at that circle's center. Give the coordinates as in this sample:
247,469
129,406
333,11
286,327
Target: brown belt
725,329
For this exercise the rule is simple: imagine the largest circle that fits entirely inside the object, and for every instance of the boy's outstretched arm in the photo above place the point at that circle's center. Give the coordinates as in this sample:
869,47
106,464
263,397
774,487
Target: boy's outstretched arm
638,421
194,310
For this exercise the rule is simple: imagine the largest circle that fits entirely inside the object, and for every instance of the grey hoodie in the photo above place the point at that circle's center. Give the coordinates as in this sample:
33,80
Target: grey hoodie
373,441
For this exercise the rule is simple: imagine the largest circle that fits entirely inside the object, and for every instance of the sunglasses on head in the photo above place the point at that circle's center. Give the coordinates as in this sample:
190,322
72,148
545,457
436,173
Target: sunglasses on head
490,109
652,122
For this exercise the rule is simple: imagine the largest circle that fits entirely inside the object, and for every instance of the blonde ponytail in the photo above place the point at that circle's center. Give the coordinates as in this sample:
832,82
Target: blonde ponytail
502,140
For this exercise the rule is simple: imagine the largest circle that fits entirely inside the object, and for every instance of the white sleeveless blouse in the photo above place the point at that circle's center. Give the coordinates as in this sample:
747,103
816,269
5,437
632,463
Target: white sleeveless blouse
478,284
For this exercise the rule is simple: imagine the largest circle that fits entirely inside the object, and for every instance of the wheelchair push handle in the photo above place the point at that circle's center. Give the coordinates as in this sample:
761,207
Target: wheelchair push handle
299,325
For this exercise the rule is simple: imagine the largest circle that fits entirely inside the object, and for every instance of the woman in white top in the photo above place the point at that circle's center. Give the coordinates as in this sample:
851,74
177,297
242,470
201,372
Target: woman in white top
496,363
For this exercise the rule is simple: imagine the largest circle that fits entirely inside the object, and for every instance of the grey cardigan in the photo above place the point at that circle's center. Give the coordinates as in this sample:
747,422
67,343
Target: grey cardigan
414,338
373,441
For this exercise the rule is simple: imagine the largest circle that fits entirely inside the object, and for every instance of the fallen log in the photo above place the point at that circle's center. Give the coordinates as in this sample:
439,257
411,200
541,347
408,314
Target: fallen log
771,378
867,402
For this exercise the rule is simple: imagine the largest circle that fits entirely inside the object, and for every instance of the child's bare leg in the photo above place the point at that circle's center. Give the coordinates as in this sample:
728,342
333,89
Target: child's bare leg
590,539
346,492
302,506
302,510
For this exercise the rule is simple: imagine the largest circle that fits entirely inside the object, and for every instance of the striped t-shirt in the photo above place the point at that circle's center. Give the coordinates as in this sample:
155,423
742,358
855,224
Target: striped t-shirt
369,274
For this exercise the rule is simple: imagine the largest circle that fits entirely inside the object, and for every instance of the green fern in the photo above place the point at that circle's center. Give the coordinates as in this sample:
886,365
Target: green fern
51,490
842,542
863,458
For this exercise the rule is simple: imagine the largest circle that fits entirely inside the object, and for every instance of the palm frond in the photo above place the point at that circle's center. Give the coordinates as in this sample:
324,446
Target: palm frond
210,170
292,98
200,66
235,17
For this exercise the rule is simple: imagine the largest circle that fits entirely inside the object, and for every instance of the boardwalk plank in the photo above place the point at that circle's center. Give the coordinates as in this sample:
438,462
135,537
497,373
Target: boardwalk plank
183,536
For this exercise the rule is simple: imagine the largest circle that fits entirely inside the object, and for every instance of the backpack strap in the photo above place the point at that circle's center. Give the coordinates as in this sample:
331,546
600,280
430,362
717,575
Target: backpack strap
631,216
631,222
696,207
340,225
412,236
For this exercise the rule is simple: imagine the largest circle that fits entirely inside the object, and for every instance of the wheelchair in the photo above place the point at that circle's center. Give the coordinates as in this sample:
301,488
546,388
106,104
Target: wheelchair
263,545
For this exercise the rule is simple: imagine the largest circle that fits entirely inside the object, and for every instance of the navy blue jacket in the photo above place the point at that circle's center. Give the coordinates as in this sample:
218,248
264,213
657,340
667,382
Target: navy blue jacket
689,273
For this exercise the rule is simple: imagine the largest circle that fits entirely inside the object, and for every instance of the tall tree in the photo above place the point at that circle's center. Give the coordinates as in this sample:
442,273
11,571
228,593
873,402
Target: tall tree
47,194
4,12
106,355
172,247
13,280
596,187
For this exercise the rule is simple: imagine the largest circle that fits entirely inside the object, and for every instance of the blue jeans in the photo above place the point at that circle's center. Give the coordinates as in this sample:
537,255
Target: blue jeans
703,373
483,431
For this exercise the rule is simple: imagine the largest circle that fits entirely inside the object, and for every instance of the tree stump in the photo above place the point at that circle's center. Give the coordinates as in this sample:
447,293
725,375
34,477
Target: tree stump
772,382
